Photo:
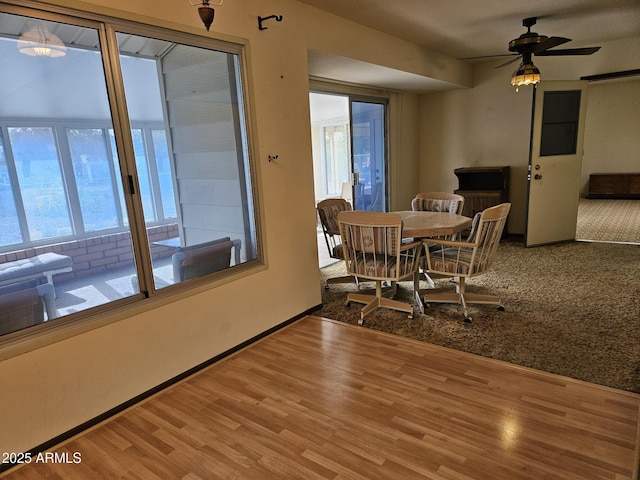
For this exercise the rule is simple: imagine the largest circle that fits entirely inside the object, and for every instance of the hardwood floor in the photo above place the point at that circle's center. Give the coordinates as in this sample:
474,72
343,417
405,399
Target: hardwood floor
324,400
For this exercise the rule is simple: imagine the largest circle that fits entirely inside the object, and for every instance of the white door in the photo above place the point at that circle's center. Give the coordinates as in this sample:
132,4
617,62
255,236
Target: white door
555,163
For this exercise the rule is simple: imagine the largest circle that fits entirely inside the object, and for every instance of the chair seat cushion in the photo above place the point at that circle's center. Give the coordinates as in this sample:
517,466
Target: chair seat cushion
375,266
458,261
33,266
202,259
451,260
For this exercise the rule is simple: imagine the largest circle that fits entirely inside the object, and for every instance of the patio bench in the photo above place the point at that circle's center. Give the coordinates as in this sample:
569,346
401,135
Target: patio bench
23,305
43,265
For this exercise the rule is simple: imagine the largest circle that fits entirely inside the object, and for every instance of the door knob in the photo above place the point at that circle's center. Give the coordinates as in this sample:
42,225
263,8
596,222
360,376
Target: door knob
538,176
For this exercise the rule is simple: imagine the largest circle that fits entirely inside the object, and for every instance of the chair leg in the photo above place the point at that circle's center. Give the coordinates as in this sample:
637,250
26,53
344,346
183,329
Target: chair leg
416,292
378,301
397,305
429,280
461,291
461,297
344,279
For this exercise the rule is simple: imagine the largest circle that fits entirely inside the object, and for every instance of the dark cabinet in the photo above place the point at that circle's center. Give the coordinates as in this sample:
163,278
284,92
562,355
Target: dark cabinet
482,187
614,185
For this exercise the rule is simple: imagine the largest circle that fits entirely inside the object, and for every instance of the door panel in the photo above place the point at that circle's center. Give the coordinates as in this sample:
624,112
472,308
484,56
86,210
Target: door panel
369,155
555,162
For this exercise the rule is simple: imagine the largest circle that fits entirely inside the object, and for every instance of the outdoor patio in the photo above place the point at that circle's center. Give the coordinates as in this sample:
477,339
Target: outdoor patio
80,294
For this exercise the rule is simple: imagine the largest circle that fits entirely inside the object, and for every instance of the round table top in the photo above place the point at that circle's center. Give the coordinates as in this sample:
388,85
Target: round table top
422,224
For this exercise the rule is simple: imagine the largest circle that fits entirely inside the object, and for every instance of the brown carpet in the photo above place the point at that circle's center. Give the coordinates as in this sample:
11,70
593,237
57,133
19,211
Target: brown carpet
572,309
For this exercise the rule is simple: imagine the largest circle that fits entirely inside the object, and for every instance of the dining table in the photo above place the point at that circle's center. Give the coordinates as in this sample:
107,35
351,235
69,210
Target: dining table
423,224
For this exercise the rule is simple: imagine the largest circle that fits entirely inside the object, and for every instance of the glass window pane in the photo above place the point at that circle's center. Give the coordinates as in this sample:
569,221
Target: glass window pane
60,172
211,199
60,182
94,178
165,176
369,154
116,167
142,167
40,177
9,224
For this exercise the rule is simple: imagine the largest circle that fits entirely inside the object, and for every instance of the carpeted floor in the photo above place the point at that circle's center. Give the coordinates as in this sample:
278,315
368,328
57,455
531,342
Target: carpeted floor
605,220
571,309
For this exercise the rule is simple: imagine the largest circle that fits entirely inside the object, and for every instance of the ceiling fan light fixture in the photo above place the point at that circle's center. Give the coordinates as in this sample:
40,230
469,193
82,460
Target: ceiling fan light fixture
39,42
526,74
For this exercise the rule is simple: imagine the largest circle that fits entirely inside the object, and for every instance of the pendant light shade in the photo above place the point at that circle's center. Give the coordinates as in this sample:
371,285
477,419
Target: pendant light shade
39,42
526,74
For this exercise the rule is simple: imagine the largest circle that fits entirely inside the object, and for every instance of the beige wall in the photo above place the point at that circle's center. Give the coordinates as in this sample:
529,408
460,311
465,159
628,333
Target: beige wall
52,384
490,123
53,388
612,129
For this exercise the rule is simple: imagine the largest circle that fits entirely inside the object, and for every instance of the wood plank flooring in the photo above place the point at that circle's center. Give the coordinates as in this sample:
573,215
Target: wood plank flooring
324,400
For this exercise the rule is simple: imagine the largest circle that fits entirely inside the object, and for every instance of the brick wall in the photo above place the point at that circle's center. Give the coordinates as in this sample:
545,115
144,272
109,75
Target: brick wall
101,253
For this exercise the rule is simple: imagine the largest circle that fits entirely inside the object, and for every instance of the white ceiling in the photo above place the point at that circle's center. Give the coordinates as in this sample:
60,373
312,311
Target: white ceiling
469,28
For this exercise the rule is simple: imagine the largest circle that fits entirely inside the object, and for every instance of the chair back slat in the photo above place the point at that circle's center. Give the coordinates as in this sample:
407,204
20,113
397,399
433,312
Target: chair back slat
476,255
371,245
488,235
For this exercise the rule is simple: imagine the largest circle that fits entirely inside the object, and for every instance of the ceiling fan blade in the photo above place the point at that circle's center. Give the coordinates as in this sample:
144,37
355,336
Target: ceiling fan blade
569,51
487,56
513,60
548,43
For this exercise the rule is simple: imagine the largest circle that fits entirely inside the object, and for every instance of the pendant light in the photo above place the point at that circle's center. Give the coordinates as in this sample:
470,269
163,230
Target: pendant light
39,42
526,74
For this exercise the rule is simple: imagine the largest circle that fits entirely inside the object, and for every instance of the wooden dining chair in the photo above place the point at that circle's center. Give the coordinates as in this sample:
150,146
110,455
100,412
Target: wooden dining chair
467,259
373,249
437,202
328,211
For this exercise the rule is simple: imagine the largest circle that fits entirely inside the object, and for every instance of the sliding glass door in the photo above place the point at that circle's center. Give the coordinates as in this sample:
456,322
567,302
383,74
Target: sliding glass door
350,149
368,155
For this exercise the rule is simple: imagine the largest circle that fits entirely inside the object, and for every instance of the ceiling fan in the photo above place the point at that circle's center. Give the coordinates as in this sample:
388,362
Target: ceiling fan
532,43
529,44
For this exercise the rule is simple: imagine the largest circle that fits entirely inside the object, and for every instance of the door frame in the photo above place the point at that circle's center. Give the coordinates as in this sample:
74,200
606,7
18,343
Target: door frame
362,94
384,103
557,234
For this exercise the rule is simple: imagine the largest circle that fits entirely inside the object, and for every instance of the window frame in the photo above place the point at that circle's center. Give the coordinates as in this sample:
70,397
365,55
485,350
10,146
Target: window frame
148,298
60,131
